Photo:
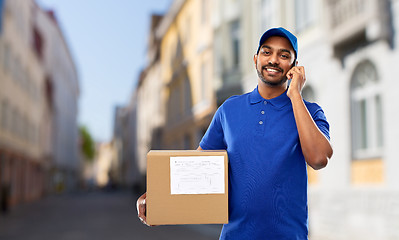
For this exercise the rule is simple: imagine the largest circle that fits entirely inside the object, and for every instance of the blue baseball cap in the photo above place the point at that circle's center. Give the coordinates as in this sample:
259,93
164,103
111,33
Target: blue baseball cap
282,32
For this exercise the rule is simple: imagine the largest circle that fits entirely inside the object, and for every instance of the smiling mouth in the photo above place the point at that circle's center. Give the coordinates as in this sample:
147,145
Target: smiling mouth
272,70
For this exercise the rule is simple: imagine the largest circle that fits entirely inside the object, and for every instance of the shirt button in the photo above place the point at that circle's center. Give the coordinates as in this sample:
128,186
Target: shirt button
262,112
265,102
260,122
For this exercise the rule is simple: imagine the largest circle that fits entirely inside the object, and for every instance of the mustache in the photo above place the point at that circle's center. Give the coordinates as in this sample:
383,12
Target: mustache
275,66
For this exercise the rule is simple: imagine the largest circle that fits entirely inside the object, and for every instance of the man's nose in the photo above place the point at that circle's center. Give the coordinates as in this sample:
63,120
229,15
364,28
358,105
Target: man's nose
273,59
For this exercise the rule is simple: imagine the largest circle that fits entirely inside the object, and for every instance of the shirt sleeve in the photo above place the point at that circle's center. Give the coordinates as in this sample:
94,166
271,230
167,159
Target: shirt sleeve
321,120
214,136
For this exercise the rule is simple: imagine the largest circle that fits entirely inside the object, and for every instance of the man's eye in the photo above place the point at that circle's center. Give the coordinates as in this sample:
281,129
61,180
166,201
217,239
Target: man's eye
285,56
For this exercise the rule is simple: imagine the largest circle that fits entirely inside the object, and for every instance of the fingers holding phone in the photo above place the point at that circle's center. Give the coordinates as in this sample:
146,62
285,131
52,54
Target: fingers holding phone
298,79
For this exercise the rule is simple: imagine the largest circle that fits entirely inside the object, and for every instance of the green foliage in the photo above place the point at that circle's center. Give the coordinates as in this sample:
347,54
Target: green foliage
87,143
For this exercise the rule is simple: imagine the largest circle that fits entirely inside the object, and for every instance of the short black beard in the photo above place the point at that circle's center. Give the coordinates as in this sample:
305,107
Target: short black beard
272,84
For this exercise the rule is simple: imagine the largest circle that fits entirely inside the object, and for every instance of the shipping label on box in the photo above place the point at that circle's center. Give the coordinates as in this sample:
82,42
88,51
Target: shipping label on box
197,175
187,187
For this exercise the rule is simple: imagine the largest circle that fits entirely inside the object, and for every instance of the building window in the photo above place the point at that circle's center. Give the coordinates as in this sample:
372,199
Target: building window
38,43
17,123
366,108
24,128
187,97
308,94
7,58
187,31
49,93
174,109
305,14
204,76
267,14
13,120
2,47
4,115
187,142
235,37
204,11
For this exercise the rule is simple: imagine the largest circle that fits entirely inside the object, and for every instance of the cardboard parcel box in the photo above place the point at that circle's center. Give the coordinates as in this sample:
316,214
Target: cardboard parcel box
187,187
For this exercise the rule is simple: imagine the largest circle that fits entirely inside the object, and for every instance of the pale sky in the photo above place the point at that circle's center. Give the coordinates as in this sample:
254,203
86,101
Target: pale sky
107,39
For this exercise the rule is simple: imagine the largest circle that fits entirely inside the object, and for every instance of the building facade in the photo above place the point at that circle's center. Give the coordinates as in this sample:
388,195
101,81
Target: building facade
229,55
62,86
187,66
23,107
351,55
38,97
126,145
150,105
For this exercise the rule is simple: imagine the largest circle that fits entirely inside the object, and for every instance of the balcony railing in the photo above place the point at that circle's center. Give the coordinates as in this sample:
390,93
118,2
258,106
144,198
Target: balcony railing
350,18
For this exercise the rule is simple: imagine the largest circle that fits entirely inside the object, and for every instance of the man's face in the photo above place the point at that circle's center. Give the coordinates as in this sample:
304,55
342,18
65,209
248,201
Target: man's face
276,56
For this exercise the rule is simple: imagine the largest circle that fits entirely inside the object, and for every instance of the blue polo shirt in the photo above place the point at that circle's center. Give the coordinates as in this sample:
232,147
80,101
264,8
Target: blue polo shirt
267,170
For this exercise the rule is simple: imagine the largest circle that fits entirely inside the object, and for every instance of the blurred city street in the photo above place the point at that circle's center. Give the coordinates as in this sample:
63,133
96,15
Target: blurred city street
89,88
94,215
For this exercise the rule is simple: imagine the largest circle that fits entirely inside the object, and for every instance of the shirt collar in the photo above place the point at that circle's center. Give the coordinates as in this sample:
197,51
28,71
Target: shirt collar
278,102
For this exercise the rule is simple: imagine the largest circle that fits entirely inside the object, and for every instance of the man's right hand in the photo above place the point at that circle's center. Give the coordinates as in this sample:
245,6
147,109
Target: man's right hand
141,208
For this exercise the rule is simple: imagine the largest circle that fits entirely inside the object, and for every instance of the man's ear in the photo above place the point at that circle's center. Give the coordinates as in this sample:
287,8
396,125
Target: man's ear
255,59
